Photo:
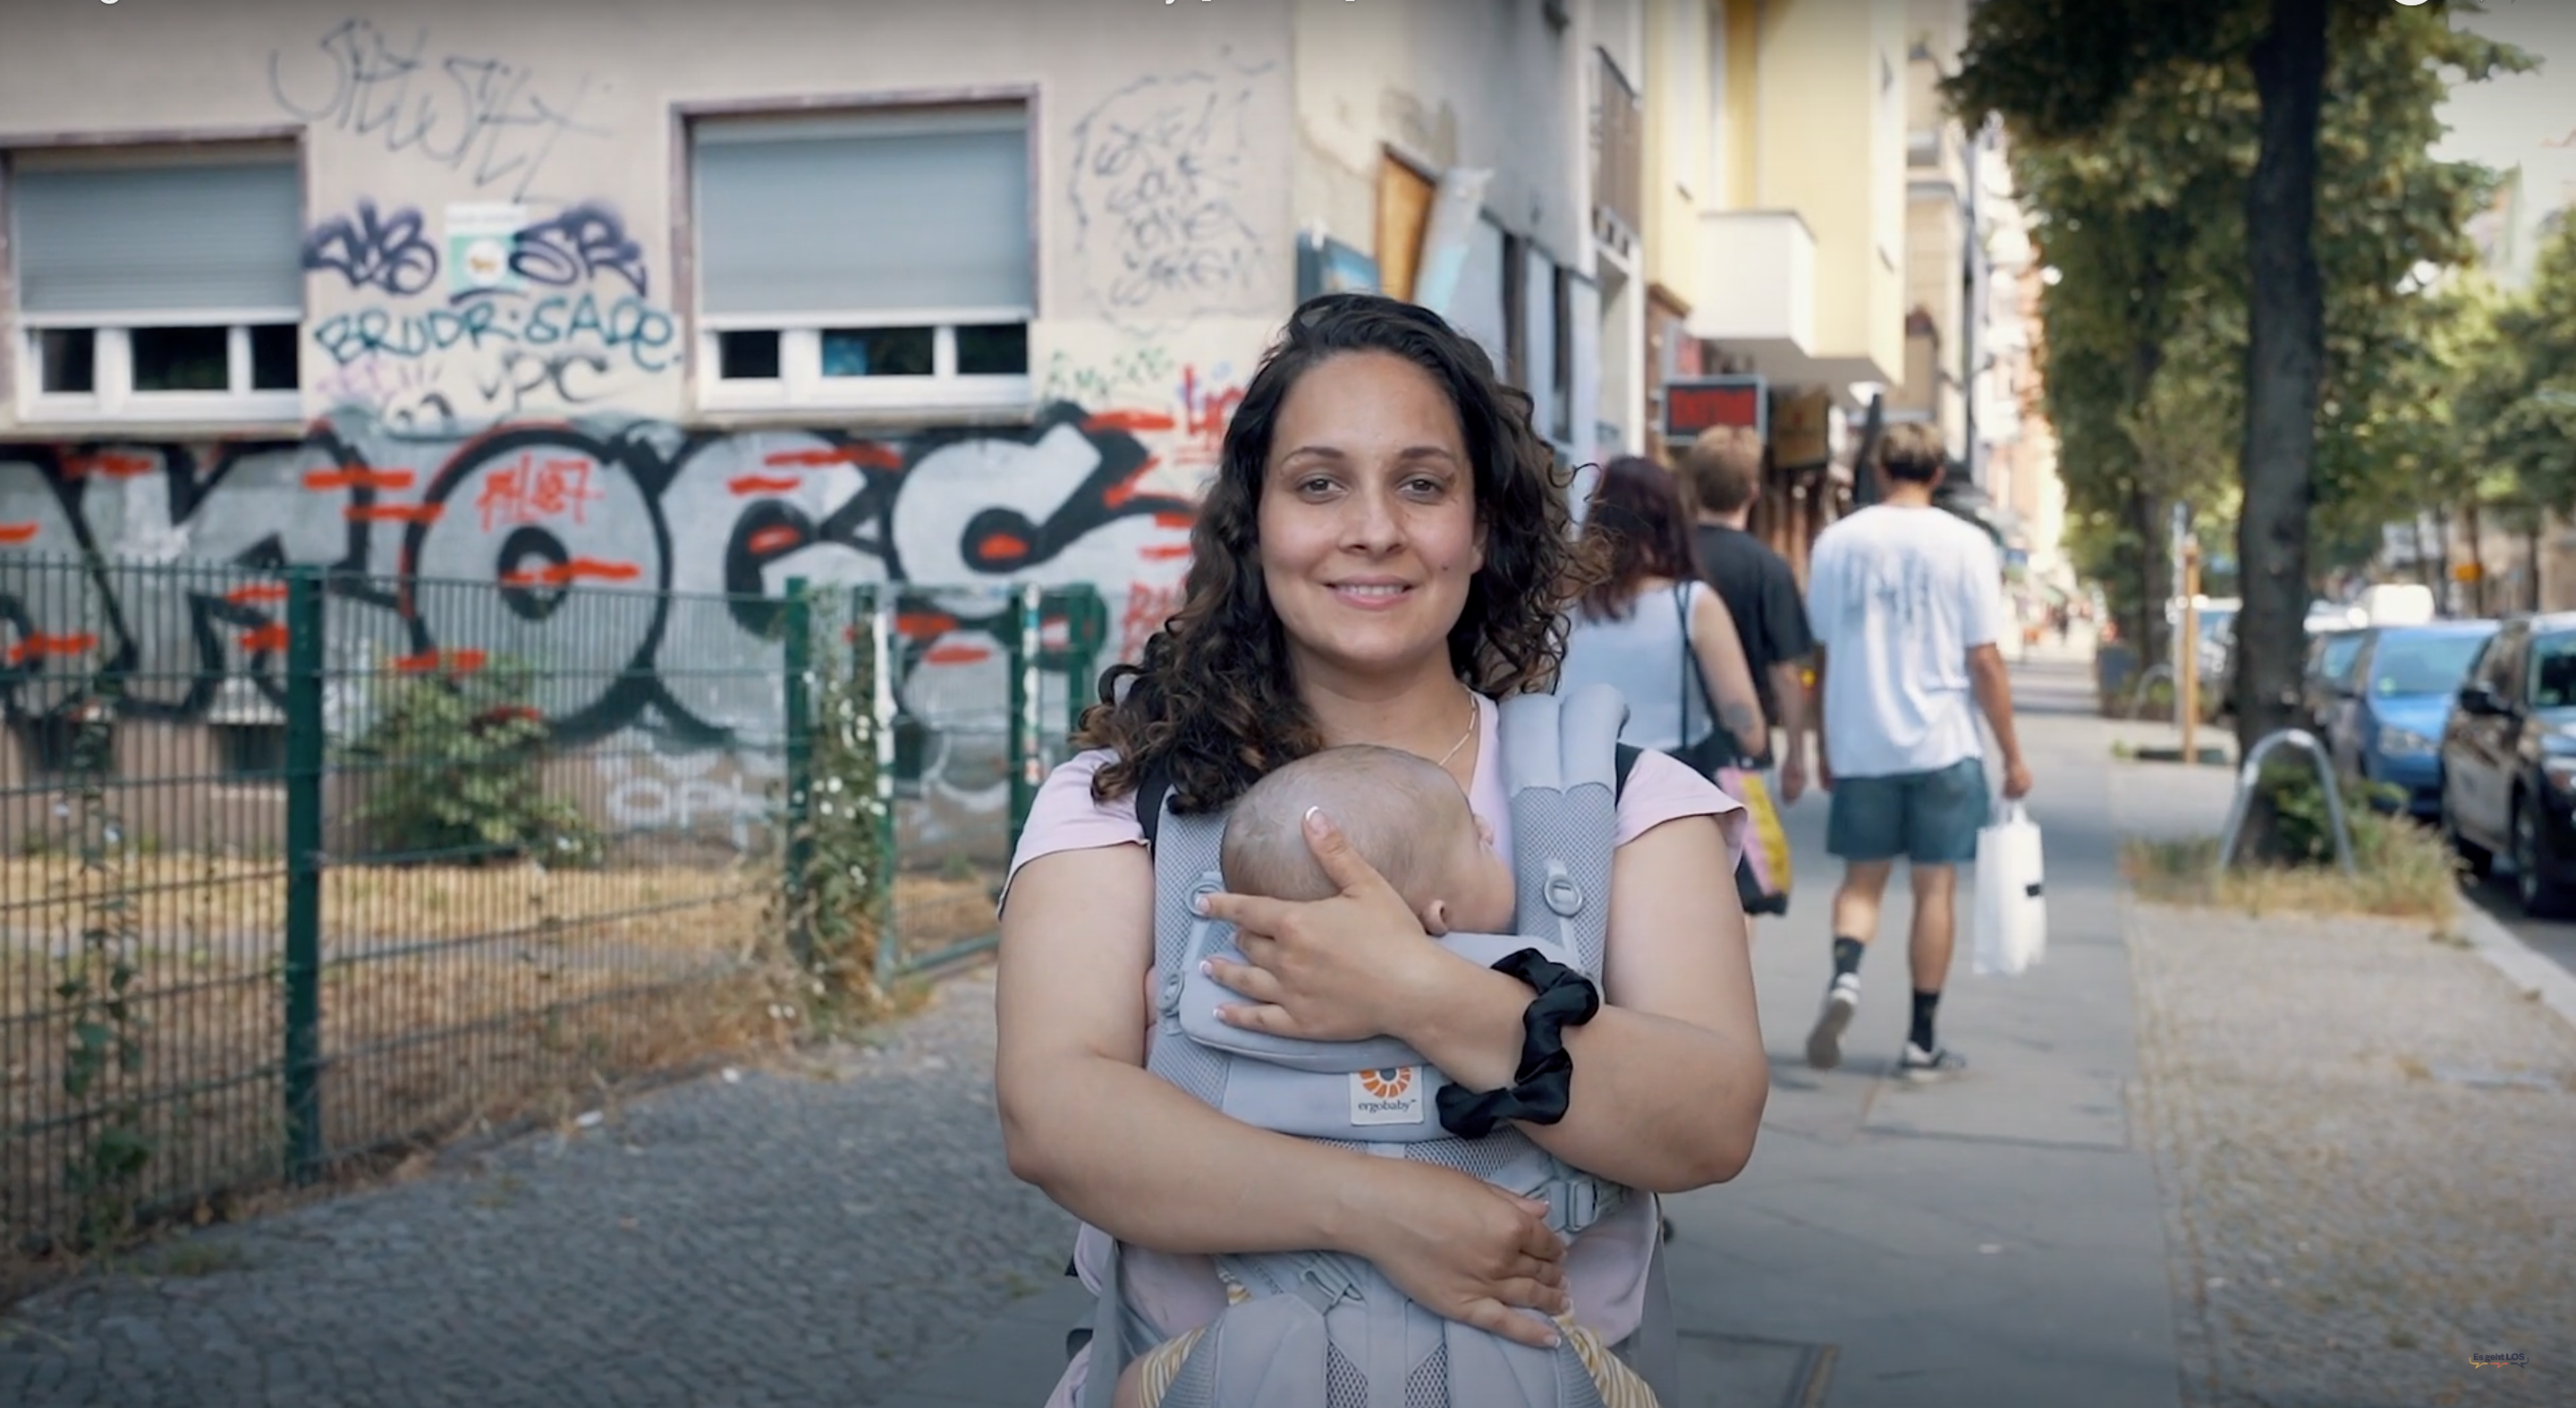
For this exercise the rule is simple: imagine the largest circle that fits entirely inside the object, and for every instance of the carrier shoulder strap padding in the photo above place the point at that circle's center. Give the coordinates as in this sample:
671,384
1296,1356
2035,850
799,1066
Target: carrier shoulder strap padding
1327,1331
1155,783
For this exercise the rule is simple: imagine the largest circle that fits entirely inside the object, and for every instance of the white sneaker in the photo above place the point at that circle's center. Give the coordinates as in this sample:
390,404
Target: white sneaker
1939,1063
1825,1043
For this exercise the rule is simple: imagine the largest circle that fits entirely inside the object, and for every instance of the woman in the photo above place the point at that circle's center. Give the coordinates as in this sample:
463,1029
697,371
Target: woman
1650,617
1382,554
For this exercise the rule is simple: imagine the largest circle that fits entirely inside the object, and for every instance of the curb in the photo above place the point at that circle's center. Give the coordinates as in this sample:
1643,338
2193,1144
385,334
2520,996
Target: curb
2527,970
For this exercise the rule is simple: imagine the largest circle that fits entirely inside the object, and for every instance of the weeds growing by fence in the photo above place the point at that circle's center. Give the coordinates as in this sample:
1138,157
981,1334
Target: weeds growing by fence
376,903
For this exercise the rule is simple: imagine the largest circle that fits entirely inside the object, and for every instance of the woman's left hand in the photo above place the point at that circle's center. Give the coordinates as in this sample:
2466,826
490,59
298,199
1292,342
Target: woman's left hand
1336,969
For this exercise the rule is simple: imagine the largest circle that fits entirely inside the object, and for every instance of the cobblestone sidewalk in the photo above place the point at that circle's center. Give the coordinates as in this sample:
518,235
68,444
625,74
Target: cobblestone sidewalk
2367,1144
782,1238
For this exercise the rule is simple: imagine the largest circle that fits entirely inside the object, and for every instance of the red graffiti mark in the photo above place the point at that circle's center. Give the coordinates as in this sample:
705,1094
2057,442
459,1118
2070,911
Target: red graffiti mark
508,713
393,513
955,655
1000,546
564,574
388,480
1181,521
1164,552
924,625
866,455
529,490
41,644
256,593
456,662
1130,421
110,466
1118,494
777,539
1208,411
14,533
270,637
1147,609
750,484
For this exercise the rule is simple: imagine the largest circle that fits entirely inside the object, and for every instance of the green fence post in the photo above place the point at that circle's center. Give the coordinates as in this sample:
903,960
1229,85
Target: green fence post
877,606
1086,627
1027,749
305,661
797,620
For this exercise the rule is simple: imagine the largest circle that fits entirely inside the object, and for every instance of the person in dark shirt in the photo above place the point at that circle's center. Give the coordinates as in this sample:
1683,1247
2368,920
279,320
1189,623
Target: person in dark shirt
1723,473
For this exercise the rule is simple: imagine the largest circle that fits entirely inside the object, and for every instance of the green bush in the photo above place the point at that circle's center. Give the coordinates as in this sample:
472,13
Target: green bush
454,770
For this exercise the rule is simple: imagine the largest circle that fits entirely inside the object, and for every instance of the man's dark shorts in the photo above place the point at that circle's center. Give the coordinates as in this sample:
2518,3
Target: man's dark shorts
1929,818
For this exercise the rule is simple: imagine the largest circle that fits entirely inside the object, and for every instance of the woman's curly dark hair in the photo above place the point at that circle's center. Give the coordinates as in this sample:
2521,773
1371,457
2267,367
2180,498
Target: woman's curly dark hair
1212,701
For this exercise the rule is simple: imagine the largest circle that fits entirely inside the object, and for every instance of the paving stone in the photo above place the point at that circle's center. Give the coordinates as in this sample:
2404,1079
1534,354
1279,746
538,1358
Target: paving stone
2346,1227
511,1276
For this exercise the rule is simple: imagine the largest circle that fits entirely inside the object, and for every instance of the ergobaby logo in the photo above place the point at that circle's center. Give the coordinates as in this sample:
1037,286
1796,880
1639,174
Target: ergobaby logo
1392,1095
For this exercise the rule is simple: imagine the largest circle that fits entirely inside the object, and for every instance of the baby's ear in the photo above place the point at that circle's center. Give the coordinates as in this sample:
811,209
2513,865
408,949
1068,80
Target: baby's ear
1435,919
1485,829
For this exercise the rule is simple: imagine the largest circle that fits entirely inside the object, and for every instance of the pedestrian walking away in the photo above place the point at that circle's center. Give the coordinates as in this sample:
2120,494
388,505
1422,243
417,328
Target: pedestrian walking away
1722,479
1907,603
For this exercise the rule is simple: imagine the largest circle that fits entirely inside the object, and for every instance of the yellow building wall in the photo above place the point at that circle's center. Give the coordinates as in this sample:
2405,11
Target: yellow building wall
1831,146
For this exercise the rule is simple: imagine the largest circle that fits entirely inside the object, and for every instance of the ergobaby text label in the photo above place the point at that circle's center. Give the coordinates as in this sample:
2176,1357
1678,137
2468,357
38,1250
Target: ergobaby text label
1389,1096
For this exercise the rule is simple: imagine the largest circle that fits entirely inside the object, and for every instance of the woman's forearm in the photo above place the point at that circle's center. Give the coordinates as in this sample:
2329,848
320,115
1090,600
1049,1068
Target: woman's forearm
1138,1157
1650,1096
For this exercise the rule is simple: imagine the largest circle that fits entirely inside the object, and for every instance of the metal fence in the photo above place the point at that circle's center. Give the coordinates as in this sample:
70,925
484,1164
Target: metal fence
298,867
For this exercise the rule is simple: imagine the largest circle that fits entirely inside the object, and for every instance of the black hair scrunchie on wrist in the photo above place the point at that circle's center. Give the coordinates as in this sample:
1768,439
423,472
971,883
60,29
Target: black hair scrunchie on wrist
1544,1083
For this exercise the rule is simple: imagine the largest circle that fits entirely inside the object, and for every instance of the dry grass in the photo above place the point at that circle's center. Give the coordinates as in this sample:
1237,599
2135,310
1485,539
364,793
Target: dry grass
2403,871
452,999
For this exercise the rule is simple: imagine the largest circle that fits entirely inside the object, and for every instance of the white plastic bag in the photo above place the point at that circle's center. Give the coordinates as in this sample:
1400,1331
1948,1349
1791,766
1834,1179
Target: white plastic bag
2011,915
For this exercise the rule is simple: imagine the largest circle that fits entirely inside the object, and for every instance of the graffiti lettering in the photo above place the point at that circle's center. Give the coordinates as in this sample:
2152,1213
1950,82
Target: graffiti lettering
481,117
372,251
1158,168
641,334
582,243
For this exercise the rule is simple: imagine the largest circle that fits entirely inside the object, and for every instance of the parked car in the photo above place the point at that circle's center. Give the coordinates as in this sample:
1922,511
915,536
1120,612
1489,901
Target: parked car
2395,699
2508,760
2323,689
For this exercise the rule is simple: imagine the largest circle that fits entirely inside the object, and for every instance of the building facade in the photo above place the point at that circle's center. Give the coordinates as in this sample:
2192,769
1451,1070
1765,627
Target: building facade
667,295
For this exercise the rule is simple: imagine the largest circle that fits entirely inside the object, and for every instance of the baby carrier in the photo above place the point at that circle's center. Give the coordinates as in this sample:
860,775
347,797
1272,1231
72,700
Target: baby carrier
1323,1330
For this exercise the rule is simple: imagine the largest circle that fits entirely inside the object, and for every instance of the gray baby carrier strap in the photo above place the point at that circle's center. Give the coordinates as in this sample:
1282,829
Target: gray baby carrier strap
1321,1330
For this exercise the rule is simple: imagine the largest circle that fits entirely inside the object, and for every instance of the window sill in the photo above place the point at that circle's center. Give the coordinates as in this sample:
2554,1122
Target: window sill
112,428
843,416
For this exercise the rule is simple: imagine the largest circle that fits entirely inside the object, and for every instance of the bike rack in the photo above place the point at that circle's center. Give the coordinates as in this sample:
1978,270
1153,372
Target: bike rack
2251,773
2147,676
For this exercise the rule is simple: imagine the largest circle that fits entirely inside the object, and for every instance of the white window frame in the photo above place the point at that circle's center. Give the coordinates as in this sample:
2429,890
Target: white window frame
113,399
800,384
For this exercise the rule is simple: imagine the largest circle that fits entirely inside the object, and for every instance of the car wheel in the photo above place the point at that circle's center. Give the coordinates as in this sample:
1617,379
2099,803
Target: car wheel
2542,898
2476,859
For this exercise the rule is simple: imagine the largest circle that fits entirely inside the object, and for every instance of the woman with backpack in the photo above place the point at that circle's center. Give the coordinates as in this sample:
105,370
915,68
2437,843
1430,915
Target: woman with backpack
1383,555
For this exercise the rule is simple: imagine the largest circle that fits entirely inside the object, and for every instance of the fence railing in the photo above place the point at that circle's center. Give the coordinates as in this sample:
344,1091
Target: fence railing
298,867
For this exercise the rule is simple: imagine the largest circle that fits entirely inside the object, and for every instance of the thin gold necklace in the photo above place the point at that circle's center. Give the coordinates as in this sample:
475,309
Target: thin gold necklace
1462,738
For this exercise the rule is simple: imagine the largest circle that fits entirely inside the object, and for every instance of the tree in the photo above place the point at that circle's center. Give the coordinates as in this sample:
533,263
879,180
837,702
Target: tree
2173,156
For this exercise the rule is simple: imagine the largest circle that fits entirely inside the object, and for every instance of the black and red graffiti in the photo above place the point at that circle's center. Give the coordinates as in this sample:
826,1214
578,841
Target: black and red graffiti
642,566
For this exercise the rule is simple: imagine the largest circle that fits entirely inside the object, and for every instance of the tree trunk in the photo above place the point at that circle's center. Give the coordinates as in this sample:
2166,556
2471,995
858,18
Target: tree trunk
2152,635
2284,361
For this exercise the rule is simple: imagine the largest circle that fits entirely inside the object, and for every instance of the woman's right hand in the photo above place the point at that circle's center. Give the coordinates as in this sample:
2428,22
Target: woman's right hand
1463,1249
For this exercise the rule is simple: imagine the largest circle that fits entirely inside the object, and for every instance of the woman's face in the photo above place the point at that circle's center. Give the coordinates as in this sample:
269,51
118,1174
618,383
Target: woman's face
1368,520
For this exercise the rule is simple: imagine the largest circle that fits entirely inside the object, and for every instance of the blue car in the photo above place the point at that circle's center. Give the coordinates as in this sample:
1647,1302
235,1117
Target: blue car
2395,697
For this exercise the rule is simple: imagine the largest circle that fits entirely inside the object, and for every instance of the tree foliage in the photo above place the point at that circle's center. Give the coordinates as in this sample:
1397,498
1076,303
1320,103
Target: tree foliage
2136,128
2517,401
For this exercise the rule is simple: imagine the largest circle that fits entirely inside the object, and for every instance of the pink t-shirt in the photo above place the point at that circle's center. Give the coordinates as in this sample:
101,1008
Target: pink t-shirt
1606,1266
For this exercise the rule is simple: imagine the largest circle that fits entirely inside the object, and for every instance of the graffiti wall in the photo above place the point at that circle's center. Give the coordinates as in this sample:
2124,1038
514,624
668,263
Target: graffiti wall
639,563
497,439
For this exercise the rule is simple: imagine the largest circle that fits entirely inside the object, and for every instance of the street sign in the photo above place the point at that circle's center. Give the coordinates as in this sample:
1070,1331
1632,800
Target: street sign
1694,404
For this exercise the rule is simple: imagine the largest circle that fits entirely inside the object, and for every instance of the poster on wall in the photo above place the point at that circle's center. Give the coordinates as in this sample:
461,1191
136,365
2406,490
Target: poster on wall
1326,265
479,238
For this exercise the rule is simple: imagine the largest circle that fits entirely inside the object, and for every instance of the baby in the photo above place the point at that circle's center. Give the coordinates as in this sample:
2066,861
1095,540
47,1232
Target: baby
1408,818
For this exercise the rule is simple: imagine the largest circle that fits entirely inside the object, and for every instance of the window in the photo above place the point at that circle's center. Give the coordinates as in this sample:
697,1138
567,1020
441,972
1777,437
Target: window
879,259
161,284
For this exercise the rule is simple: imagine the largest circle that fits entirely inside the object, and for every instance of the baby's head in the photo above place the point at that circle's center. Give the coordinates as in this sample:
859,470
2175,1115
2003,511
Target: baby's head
1402,813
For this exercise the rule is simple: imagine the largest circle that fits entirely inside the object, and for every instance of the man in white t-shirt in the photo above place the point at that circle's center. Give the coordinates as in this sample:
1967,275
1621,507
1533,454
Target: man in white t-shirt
1906,601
